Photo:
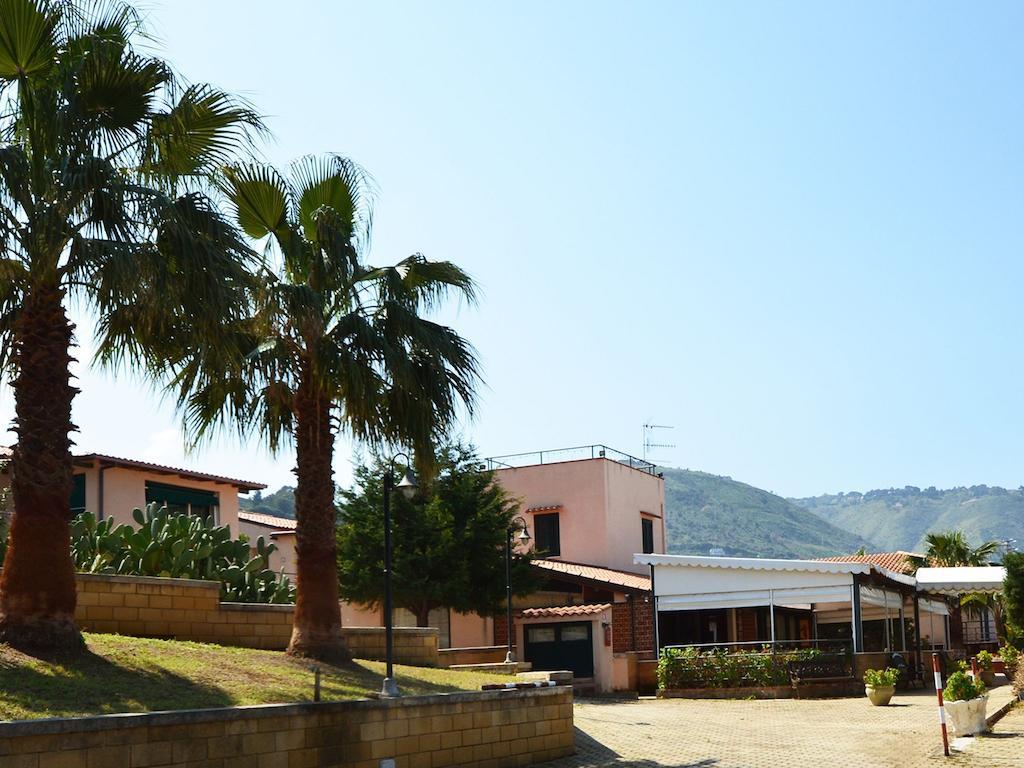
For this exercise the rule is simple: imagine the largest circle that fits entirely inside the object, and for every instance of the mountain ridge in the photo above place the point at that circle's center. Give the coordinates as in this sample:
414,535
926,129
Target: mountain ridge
705,512
899,518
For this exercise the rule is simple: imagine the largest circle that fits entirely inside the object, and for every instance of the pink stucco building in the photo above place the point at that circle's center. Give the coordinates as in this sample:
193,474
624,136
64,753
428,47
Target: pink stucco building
599,509
589,511
110,486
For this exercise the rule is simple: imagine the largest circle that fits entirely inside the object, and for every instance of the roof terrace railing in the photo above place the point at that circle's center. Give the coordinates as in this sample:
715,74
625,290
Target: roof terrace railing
570,454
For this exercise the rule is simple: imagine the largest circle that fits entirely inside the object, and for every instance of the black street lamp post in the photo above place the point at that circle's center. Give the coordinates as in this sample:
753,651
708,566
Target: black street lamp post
407,486
518,524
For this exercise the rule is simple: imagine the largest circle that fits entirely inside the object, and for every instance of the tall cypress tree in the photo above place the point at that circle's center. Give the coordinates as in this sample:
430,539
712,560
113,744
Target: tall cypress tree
448,542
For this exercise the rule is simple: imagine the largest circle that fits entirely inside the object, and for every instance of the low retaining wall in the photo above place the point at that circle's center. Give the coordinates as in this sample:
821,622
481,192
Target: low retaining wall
646,676
413,645
494,728
485,654
746,692
189,609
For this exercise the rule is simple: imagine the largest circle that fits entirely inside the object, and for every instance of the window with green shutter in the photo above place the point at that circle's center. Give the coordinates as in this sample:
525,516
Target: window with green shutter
183,500
78,494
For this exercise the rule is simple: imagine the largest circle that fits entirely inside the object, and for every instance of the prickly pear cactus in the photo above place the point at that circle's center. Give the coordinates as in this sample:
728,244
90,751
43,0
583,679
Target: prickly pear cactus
179,546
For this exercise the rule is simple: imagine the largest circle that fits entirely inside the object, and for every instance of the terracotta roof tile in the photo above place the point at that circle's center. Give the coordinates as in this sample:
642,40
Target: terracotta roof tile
565,610
270,521
890,561
118,461
610,576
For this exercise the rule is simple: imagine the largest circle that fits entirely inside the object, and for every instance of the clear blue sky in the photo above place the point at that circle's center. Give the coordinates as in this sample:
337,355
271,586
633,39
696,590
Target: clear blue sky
792,230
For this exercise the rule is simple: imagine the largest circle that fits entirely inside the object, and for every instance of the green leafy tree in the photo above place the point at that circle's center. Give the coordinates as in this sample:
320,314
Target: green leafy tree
448,542
1013,592
336,345
104,161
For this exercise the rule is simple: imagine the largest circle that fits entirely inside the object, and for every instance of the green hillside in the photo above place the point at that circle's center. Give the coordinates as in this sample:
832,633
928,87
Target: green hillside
281,502
707,511
898,518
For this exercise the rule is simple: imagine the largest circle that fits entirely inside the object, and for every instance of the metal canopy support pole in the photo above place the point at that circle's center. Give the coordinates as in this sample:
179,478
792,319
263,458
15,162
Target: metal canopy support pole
888,626
771,613
917,633
903,626
858,630
654,611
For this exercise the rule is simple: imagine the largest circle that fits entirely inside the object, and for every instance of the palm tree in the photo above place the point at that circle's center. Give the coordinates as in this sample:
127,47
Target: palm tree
336,345
951,548
104,155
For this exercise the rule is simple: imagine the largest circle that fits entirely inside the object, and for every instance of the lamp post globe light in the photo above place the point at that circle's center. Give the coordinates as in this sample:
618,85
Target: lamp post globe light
518,524
407,487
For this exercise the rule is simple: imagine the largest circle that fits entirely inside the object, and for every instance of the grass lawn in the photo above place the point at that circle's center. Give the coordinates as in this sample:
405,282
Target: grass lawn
128,674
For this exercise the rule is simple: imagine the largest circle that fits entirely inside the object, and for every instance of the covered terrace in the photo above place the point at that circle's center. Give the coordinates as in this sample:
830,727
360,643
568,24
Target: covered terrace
748,603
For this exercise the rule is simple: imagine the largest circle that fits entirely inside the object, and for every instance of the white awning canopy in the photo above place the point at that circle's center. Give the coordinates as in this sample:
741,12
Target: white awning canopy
938,607
961,579
753,598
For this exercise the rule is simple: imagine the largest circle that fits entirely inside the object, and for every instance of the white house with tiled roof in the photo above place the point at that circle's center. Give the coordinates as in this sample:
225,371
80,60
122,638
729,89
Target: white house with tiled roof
278,530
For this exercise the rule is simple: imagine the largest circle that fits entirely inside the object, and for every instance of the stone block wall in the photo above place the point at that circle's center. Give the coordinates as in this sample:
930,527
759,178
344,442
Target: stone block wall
490,728
188,609
487,654
413,645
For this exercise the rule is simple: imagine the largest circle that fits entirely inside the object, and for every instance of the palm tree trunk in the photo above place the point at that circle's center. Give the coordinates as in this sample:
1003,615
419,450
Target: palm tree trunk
316,631
37,587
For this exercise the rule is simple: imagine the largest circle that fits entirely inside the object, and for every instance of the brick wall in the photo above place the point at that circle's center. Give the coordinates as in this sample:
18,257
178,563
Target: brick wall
622,628
624,625
188,609
644,625
490,728
501,630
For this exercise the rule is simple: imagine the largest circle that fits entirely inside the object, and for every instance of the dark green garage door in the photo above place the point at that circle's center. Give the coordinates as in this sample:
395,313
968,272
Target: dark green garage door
561,646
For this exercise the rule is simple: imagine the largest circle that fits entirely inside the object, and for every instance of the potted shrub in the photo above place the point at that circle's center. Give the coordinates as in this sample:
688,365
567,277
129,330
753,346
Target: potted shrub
988,675
1009,656
966,702
880,685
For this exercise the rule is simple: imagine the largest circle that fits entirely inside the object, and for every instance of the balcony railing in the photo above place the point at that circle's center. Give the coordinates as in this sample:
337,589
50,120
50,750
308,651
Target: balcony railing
570,454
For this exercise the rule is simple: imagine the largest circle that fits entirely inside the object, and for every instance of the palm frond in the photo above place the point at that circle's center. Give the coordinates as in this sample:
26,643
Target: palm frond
259,197
340,184
112,21
27,42
203,130
115,91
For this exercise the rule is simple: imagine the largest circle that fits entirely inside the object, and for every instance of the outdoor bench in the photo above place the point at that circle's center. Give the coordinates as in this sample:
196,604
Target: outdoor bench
823,670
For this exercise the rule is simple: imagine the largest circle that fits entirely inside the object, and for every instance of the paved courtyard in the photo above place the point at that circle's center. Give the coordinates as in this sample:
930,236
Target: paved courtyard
783,734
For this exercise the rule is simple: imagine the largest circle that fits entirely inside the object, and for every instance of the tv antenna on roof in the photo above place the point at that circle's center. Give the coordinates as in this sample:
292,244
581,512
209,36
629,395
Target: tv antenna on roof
649,438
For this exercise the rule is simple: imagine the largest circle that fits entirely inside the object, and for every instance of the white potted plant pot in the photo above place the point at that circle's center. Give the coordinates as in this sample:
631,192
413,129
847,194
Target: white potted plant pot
967,718
880,695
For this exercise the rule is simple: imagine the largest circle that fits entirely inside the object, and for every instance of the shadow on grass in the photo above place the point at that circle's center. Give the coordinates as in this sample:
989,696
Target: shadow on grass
123,674
368,676
89,683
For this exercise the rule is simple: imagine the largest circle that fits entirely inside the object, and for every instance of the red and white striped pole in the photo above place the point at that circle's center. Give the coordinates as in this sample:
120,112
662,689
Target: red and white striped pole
942,709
